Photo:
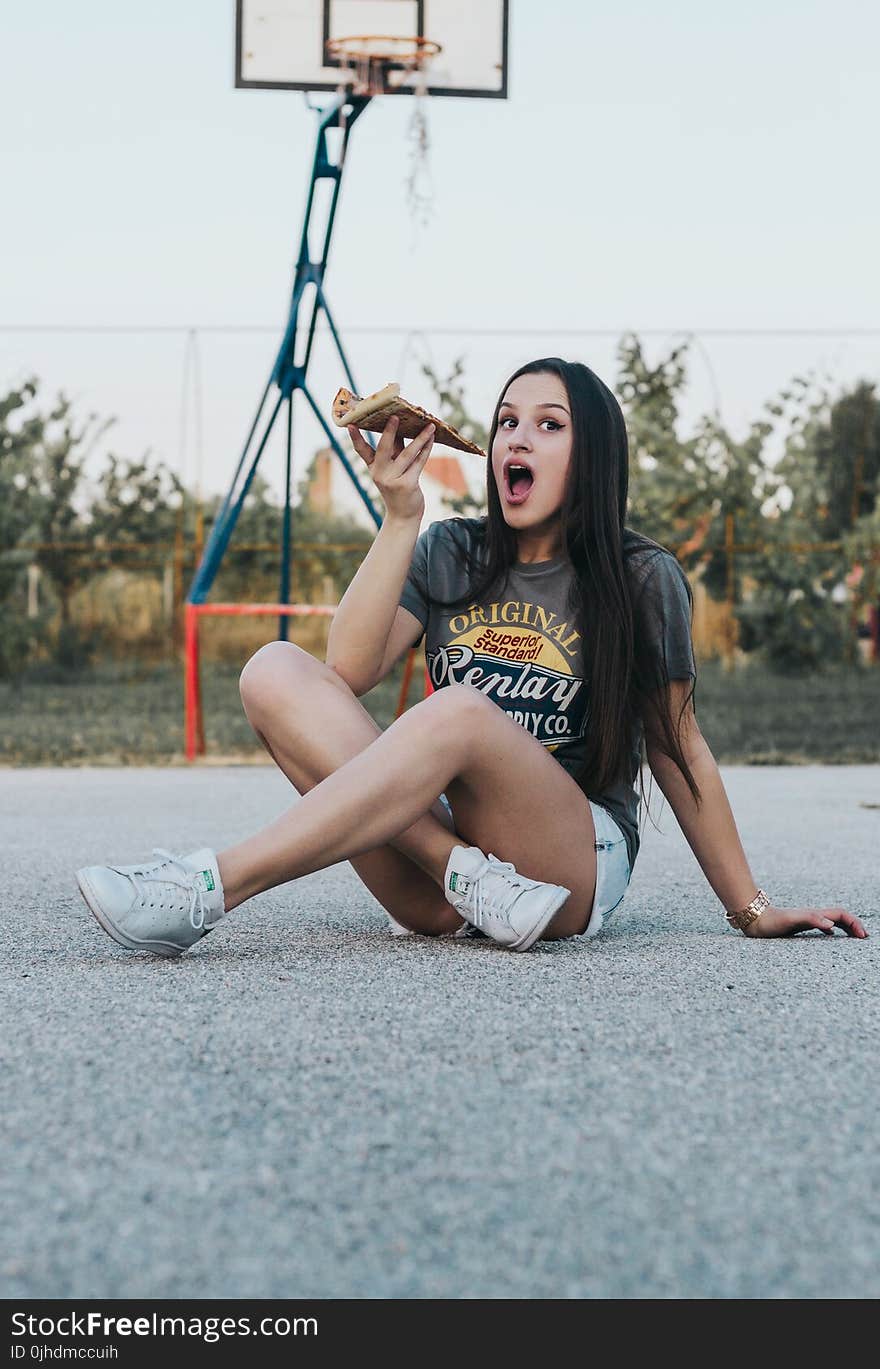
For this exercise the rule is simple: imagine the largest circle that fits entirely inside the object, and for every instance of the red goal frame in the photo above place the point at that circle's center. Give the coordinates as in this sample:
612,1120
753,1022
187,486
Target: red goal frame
193,717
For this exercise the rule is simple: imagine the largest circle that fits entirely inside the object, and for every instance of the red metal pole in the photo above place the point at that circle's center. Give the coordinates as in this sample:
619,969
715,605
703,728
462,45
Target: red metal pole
193,719
197,672
243,610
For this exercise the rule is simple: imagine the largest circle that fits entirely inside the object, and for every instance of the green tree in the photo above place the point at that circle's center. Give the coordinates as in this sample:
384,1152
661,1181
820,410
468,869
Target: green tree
667,484
830,470
20,432
46,454
314,537
58,475
861,551
682,488
53,516
831,463
134,503
847,444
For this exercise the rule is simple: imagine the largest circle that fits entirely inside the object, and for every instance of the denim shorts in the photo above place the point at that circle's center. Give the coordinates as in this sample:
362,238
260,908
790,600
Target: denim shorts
612,870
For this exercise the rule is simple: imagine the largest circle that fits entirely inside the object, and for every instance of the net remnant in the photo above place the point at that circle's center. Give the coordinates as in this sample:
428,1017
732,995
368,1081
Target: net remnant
374,64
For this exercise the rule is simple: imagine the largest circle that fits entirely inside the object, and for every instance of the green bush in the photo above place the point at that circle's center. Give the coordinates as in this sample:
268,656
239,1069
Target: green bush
19,637
791,625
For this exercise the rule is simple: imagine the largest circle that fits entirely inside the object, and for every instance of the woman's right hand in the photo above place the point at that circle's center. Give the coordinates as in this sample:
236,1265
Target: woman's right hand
396,468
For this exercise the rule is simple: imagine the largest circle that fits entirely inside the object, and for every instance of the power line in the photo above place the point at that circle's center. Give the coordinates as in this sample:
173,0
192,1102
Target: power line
441,331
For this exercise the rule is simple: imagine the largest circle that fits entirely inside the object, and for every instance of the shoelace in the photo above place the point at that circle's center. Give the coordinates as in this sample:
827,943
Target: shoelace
483,899
190,883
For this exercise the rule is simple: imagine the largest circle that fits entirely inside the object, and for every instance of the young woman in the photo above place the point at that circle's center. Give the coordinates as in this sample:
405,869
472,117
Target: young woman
558,641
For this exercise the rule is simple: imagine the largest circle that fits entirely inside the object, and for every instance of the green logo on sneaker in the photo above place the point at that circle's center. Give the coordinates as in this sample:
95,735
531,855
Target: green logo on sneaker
458,884
207,879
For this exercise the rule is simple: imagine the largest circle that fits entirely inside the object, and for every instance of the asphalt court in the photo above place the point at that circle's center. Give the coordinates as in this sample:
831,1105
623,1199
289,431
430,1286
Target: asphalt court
304,1106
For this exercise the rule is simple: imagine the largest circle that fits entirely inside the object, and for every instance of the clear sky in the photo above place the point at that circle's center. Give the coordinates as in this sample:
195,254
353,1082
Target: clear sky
663,167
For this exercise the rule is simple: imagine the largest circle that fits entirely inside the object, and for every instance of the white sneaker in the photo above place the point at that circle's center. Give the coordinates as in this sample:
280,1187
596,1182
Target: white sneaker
491,896
164,906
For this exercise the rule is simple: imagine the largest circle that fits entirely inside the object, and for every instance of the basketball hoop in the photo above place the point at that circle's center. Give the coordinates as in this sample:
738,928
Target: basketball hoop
375,64
370,61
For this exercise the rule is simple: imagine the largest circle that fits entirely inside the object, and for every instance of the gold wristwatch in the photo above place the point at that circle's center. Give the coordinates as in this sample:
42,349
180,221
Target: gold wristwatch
750,913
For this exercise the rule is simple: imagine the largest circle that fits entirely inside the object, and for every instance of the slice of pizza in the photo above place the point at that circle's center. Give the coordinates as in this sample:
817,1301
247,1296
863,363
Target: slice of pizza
374,412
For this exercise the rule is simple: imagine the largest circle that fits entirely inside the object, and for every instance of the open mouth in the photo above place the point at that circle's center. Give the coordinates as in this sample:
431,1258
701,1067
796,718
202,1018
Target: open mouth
518,482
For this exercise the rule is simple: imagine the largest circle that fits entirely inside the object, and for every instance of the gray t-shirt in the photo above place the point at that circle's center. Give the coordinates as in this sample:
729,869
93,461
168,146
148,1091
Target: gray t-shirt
522,648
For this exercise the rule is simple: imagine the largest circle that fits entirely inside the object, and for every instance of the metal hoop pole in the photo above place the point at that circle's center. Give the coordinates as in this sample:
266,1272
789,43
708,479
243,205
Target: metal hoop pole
286,374
284,596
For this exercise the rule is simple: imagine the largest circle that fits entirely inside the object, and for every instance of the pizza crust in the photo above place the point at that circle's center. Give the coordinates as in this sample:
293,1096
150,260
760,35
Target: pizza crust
373,412
350,409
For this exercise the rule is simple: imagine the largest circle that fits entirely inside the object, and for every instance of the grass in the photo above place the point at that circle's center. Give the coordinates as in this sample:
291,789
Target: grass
754,717
133,715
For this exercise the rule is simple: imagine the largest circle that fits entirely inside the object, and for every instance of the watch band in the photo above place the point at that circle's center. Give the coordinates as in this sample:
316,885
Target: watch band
744,917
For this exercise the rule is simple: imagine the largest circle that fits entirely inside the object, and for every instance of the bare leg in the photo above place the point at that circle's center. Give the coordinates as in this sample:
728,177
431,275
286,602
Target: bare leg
456,735
311,723
353,811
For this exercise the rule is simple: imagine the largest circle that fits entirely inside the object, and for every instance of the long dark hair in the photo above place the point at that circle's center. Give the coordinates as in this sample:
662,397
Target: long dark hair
605,555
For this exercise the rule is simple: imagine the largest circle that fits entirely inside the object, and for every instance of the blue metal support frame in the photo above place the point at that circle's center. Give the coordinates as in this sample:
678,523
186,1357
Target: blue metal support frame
289,375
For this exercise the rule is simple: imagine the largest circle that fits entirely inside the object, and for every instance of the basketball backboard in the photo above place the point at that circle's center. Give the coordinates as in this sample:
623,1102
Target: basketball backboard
279,44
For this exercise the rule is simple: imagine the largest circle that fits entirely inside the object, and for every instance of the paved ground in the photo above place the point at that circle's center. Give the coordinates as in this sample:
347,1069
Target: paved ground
304,1106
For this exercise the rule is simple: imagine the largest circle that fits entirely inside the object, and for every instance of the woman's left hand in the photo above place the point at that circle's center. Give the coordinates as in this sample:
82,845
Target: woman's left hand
787,921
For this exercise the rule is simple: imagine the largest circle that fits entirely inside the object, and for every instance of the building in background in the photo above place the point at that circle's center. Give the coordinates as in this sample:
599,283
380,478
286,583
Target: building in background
448,475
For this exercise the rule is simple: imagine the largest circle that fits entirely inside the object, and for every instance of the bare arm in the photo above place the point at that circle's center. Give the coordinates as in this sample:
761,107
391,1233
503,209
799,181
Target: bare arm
710,830
362,626
360,646
712,834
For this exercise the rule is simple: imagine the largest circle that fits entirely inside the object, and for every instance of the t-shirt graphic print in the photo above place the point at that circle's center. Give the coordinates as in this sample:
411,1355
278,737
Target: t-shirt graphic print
525,658
521,648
